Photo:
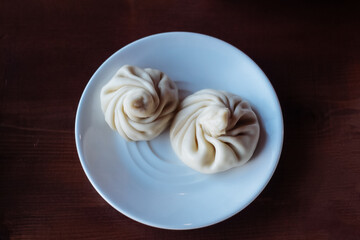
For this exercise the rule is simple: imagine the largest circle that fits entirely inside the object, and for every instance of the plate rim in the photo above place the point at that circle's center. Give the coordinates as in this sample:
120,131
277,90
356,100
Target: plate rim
126,213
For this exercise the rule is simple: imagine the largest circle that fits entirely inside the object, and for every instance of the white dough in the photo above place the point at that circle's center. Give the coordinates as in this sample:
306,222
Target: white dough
214,131
139,103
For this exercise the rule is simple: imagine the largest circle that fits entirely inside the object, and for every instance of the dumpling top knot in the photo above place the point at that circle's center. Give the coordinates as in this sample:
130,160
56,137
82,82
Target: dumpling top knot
214,120
139,103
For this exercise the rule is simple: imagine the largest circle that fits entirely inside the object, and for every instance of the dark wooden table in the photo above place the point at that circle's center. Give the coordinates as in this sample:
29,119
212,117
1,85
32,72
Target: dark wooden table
50,49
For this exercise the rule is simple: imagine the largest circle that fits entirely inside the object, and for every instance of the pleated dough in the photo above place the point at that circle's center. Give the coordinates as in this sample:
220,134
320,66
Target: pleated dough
214,131
139,103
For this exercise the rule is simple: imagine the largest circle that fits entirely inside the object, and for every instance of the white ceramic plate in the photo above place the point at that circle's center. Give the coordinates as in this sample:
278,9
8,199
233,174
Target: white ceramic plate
145,180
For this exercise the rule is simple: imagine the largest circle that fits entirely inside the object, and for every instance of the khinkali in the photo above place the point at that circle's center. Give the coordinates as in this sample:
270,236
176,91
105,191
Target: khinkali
139,103
214,131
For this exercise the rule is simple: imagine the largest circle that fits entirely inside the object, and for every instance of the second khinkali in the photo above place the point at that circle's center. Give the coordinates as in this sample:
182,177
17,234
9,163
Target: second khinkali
214,131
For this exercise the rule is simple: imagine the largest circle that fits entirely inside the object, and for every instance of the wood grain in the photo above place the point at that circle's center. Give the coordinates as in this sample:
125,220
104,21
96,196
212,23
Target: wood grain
50,49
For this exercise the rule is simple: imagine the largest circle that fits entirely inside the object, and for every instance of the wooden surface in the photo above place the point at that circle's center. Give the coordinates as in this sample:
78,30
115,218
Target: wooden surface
50,49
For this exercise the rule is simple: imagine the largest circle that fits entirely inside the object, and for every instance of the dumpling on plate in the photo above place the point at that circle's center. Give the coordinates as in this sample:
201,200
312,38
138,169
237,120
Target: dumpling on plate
214,131
139,103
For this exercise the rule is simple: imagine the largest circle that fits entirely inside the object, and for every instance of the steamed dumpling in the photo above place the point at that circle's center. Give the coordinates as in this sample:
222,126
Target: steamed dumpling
214,131
139,103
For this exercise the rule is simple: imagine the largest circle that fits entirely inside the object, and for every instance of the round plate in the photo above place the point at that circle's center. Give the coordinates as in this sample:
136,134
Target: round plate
145,180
